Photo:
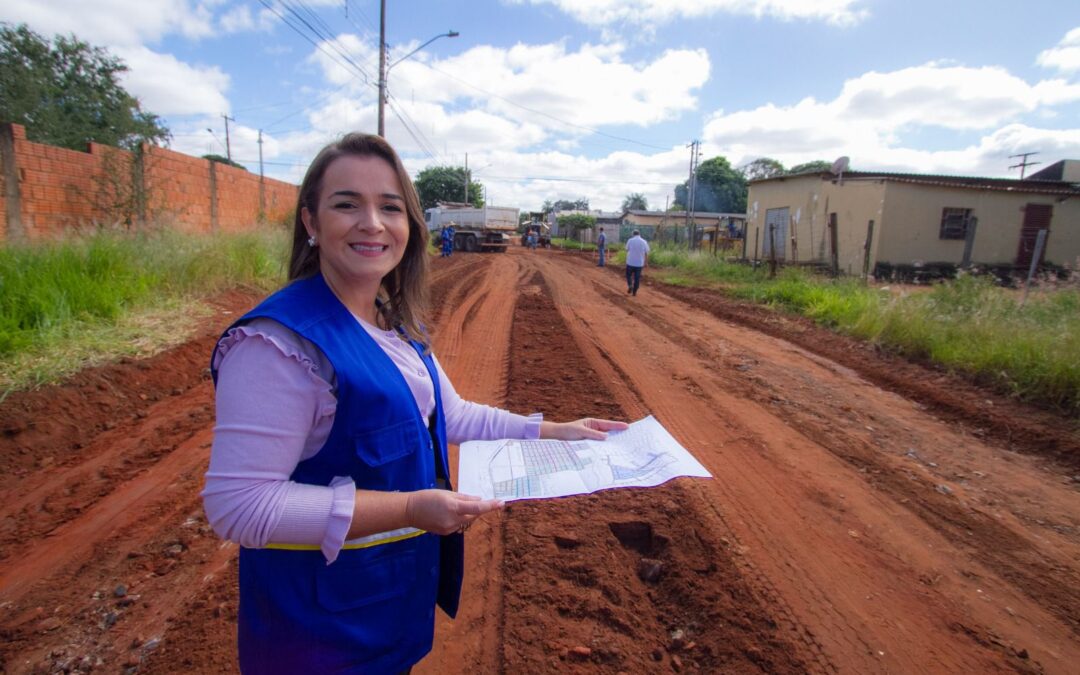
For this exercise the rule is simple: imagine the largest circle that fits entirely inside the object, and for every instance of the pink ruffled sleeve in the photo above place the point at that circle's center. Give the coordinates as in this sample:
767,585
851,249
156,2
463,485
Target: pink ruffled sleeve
469,421
248,497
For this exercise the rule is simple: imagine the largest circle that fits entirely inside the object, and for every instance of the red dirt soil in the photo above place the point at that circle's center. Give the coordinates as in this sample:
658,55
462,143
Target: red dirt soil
866,514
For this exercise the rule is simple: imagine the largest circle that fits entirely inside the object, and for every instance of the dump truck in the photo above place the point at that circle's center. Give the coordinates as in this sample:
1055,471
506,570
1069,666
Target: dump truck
487,228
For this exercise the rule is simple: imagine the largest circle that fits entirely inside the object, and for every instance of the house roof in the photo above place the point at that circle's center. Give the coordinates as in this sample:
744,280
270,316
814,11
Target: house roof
970,182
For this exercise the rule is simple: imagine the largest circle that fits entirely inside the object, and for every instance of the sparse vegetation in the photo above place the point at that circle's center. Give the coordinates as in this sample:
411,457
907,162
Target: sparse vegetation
969,325
66,304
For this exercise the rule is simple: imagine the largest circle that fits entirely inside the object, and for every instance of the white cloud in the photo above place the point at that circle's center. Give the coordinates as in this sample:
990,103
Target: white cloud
869,117
1065,56
240,19
651,12
548,85
113,22
545,93
167,86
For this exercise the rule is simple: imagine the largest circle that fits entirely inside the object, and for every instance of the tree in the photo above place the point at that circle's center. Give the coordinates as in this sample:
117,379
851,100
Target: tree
816,166
224,160
635,201
446,184
762,167
575,222
67,93
568,205
720,188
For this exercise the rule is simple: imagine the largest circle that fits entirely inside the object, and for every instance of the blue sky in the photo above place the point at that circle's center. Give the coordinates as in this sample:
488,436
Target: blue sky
567,99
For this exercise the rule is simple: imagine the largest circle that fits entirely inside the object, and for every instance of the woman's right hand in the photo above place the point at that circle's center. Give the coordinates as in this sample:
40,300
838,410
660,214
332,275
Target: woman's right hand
445,512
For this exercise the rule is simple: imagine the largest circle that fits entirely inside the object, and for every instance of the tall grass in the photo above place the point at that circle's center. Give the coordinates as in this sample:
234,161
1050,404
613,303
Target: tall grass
968,325
55,292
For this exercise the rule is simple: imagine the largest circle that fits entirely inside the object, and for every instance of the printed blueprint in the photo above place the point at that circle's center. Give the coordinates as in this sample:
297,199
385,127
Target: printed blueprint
643,455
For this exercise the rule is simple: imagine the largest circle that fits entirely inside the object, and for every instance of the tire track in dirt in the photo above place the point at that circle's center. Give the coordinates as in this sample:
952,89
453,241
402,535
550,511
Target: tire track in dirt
582,555
844,521
472,341
1013,556
998,418
690,399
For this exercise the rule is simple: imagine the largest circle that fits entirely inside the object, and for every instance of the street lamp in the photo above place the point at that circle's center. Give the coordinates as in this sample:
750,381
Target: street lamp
385,69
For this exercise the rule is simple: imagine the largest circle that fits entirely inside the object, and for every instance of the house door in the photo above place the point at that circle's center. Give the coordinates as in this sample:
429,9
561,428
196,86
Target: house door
779,219
1036,217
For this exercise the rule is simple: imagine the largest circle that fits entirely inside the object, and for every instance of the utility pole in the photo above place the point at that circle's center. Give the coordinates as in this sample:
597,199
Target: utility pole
262,183
1024,164
466,200
382,66
228,149
691,192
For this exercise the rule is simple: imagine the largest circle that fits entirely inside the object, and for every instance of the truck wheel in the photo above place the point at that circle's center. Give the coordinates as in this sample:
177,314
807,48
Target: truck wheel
470,244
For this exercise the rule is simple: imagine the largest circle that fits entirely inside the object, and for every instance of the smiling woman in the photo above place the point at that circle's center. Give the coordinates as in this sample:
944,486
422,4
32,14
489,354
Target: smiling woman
329,464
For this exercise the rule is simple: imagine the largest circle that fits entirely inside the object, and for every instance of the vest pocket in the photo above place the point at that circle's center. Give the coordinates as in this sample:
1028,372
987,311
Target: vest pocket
356,581
384,445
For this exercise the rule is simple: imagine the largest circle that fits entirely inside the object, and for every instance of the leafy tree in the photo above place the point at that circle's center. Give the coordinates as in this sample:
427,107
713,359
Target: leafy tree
762,167
635,201
817,166
446,184
67,93
568,205
575,222
720,188
224,160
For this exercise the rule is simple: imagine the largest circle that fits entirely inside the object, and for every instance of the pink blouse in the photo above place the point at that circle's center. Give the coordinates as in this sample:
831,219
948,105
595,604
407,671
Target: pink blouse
248,497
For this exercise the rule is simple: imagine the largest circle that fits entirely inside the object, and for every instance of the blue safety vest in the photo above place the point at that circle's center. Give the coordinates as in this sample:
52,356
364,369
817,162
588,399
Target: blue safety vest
372,610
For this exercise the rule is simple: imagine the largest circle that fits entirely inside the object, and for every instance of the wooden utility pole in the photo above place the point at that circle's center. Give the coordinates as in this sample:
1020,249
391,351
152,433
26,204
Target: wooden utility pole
466,199
382,68
691,193
866,251
969,241
772,250
262,183
835,244
1040,241
228,148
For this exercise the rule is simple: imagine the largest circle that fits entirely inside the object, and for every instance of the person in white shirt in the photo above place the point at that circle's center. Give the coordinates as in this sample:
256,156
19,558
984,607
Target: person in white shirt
637,253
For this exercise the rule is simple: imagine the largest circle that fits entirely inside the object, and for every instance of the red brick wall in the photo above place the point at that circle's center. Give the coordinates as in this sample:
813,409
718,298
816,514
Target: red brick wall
63,189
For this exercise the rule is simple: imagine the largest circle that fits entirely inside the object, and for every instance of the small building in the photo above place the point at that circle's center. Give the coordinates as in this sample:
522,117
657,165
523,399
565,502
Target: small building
915,221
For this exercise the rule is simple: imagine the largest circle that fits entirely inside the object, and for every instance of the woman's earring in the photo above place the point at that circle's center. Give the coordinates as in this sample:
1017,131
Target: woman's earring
311,241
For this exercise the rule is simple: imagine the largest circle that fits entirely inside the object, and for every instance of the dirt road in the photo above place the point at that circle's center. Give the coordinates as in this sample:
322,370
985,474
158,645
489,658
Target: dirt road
865,515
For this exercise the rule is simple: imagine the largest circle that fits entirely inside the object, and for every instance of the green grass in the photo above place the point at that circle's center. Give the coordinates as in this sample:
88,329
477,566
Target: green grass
571,244
967,325
65,304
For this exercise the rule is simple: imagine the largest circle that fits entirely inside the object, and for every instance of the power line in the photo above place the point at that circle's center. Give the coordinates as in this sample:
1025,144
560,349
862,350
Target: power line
356,69
417,135
328,39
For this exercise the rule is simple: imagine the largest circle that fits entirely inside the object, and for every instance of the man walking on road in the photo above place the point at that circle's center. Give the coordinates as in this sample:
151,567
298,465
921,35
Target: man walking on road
637,253
601,246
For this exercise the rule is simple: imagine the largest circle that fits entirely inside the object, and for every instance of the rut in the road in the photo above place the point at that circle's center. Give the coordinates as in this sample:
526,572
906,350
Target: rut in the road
573,567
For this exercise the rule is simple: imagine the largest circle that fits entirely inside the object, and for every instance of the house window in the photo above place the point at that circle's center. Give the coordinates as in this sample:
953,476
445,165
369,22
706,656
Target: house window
954,223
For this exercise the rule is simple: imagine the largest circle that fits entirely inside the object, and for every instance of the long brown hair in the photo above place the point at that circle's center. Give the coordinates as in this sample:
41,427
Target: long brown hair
405,289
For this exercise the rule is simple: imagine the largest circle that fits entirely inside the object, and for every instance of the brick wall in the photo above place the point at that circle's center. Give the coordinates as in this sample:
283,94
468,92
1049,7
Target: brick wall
57,190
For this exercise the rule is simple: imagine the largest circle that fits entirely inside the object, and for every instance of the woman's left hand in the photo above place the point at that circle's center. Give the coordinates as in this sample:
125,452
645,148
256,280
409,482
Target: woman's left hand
589,428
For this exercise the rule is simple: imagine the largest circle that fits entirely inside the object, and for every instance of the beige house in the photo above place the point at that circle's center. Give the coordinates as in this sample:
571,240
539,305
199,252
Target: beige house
916,221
